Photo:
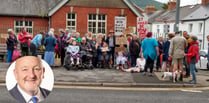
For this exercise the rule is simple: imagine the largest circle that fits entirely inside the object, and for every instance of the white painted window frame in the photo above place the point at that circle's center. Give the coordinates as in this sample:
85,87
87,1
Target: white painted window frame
97,23
21,26
70,20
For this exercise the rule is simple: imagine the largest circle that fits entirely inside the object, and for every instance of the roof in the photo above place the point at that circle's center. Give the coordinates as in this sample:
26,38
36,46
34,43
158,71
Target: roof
170,15
143,3
152,16
200,14
26,7
97,3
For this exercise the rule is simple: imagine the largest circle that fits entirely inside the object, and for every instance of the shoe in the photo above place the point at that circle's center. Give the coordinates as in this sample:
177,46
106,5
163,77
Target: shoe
117,67
150,74
144,73
207,80
192,82
72,63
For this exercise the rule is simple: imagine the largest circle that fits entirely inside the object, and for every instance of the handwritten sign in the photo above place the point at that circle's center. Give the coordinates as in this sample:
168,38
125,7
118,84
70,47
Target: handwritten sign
121,40
118,49
120,24
141,27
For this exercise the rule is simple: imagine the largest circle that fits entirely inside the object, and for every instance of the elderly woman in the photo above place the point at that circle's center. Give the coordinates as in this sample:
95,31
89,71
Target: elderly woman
134,49
77,37
36,43
11,44
50,43
150,52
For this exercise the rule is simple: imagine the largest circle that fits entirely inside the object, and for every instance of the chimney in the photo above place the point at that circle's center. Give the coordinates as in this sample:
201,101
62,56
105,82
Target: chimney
204,2
150,9
171,5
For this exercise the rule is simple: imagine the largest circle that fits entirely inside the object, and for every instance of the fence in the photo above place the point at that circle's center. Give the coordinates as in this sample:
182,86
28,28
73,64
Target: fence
4,28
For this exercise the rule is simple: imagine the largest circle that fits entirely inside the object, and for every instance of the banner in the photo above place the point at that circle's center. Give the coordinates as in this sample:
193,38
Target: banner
142,26
120,24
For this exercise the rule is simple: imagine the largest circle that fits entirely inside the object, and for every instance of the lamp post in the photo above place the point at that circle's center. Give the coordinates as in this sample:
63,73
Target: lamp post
176,27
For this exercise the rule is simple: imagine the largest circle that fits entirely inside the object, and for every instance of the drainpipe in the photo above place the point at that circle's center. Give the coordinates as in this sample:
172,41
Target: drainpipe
49,22
204,35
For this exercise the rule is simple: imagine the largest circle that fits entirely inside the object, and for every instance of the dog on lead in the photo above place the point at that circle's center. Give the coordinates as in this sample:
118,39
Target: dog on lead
172,75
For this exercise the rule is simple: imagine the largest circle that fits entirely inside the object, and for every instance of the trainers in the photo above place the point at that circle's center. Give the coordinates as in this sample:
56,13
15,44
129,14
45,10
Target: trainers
192,82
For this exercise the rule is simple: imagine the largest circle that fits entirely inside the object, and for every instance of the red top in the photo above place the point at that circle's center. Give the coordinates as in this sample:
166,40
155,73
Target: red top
22,37
193,51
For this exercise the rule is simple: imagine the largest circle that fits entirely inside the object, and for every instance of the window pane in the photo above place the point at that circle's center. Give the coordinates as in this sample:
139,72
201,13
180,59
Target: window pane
103,24
100,24
99,30
29,30
94,30
17,23
94,24
103,31
21,23
90,18
103,17
90,24
26,23
73,23
68,23
17,30
100,17
73,16
94,16
30,23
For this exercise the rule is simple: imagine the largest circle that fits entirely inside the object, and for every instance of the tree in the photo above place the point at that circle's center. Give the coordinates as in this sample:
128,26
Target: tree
165,6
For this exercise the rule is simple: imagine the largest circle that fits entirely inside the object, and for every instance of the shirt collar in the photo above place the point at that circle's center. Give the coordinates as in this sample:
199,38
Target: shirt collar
27,97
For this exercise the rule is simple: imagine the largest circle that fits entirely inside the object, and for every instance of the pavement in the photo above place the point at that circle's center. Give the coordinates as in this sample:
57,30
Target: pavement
114,78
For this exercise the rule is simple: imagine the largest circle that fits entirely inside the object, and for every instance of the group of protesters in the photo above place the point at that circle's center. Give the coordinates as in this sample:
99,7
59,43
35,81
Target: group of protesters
141,53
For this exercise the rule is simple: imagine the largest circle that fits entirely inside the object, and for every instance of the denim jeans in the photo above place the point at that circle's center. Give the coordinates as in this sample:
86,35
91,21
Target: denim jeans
192,69
9,56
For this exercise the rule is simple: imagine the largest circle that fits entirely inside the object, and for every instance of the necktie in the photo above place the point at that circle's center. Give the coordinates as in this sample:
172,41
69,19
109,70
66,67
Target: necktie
34,99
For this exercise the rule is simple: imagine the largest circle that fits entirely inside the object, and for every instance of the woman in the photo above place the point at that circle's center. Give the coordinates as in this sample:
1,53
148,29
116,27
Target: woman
49,43
11,45
165,52
36,43
193,57
150,52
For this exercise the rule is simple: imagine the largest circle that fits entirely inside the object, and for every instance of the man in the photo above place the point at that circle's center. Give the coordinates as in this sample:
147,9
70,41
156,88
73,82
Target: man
176,52
134,48
111,43
188,40
63,39
24,38
29,73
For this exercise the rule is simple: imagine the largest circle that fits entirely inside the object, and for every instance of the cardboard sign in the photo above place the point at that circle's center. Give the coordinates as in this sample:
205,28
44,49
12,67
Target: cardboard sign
121,40
120,24
142,27
128,31
118,49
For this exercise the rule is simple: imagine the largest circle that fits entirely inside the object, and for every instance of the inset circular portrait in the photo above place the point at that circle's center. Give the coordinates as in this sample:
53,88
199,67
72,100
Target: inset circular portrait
29,79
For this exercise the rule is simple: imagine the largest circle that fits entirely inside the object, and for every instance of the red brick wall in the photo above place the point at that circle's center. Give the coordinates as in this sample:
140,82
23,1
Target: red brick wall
204,2
8,21
58,20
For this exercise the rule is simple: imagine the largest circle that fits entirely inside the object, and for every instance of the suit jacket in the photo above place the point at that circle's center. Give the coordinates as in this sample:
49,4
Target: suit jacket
18,96
108,38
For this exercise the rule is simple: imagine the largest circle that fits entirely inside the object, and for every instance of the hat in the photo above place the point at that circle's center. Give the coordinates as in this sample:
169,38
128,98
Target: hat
111,31
128,35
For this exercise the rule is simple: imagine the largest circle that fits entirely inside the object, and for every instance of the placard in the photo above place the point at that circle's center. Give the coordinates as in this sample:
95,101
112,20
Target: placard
120,24
121,40
142,24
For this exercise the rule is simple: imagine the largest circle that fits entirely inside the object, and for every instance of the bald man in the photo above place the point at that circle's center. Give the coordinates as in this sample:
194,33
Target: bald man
29,73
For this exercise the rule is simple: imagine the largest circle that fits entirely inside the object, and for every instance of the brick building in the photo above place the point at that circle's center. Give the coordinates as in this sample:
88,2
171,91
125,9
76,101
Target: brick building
95,16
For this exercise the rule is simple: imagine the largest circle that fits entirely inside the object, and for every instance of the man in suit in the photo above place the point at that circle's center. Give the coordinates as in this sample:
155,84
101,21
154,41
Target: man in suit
111,43
29,73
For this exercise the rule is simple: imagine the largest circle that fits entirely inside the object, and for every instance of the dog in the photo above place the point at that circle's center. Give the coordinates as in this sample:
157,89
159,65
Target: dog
173,75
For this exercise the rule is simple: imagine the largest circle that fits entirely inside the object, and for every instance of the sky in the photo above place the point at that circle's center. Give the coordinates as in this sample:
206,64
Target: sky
183,2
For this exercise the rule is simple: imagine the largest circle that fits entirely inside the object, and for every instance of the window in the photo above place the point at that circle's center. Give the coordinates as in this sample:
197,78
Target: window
71,21
20,24
97,23
158,28
190,27
166,28
200,27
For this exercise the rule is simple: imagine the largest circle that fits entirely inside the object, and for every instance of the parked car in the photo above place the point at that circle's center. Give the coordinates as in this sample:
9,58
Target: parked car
203,62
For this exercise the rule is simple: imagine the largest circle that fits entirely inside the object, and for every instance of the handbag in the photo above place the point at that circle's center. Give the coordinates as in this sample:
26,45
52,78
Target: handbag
24,44
16,54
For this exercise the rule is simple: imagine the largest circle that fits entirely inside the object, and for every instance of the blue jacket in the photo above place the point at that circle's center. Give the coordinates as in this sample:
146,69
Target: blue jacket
50,43
37,40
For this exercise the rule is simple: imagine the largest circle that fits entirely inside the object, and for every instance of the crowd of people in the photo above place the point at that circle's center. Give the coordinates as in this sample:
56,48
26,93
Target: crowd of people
139,53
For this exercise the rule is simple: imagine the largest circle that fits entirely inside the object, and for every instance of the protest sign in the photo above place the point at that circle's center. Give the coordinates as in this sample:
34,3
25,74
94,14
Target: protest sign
142,27
120,24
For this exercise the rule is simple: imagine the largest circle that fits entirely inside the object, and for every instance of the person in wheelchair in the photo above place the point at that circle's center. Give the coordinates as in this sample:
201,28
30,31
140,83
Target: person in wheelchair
121,58
73,52
85,49
104,56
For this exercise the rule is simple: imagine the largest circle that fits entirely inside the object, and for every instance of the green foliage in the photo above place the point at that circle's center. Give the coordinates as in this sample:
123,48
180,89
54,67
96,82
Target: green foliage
143,3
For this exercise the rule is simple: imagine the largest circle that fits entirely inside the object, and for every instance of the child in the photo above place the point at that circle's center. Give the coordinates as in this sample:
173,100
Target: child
73,50
121,59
